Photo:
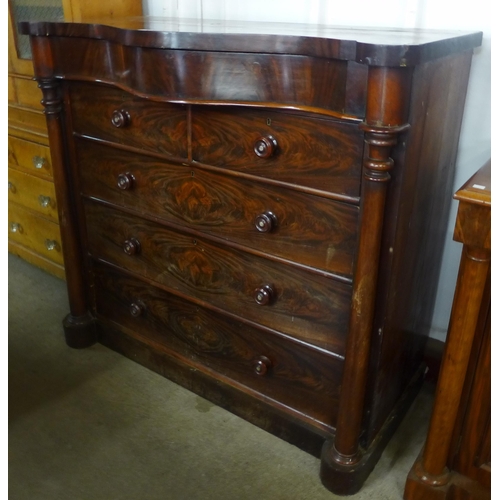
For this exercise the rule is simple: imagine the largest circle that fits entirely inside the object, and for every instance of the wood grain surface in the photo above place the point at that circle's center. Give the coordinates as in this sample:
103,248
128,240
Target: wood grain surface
229,348
319,153
153,126
307,306
310,229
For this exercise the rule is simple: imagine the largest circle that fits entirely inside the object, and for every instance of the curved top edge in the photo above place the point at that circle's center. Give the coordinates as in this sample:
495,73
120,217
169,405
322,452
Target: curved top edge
374,47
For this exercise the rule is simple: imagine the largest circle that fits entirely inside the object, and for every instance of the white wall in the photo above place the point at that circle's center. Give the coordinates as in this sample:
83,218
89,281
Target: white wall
474,147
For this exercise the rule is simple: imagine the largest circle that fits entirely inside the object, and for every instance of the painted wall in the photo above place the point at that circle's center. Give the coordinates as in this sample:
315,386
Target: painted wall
475,140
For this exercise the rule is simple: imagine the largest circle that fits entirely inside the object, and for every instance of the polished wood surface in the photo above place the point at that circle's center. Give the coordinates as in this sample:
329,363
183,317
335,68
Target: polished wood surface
307,229
238,218
458,438
303,305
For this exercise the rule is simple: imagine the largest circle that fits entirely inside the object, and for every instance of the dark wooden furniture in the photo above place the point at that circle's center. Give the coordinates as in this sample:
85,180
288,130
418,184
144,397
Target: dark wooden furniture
256,212
456,460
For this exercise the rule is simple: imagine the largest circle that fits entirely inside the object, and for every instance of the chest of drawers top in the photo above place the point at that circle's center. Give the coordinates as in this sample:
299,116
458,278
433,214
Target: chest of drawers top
310,67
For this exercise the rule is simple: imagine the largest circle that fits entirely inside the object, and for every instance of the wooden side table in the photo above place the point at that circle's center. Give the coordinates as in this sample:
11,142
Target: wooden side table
456,460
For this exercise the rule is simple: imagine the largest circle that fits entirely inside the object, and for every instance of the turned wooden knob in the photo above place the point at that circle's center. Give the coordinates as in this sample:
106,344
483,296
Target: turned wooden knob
131,246
262,365
266,222
136,309
264,295
265,147
120,118
125,181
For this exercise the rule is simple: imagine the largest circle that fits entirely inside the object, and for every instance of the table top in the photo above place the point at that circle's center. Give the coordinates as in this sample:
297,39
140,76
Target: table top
371,46
477,189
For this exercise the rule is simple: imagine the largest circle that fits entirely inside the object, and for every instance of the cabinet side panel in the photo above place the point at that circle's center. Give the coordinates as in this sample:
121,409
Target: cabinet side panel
415,230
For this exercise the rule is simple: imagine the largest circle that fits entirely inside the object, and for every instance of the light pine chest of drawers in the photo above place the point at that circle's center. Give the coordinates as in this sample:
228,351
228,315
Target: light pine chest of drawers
257,212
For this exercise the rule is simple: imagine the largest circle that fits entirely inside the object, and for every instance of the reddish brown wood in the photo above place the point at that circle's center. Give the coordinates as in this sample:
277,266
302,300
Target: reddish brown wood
227,347
180,216
310,230
309,307
79,324
322,154
454,451
380,139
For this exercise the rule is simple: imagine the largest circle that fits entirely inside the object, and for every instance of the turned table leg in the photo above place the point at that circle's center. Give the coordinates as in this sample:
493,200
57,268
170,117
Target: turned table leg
467,302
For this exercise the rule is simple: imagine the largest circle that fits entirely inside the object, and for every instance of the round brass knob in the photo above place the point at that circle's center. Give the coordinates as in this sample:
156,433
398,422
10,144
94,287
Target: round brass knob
265,147
266,222
264,295
131,246
136,309
262,365
120,118
125,181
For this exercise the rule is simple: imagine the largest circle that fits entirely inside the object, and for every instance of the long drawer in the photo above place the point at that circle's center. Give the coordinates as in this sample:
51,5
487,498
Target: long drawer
304,228
307,306
35,232
110,114
319,153
295,376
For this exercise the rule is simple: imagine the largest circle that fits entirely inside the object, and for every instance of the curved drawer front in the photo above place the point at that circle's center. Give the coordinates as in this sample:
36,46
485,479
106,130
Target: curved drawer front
318,153
110,114
307,306
35,233
296,376
34,193
304,228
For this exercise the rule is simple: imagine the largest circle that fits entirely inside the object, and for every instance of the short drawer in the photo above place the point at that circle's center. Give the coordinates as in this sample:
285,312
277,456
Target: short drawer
110,114
292,374
34,193
36,233
309,229
319,153
29,156
309,307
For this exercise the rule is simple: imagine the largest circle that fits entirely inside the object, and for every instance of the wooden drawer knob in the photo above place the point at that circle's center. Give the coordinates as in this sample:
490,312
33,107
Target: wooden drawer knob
120,118
266,222
125,181
262,365
264,295
265,147
136,309
12,187
131,246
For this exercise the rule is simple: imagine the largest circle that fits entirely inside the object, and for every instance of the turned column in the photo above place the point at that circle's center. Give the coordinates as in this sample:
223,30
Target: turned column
386,119
78,324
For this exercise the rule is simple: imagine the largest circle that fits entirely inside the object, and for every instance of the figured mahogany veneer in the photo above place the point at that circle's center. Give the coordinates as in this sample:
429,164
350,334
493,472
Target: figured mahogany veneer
305,305
308,229
256,211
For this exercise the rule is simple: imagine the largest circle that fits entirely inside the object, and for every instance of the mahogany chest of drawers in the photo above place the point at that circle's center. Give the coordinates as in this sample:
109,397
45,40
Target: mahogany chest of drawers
257,212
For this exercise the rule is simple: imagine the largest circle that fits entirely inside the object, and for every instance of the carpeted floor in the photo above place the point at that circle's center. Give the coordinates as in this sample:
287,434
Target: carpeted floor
92,425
